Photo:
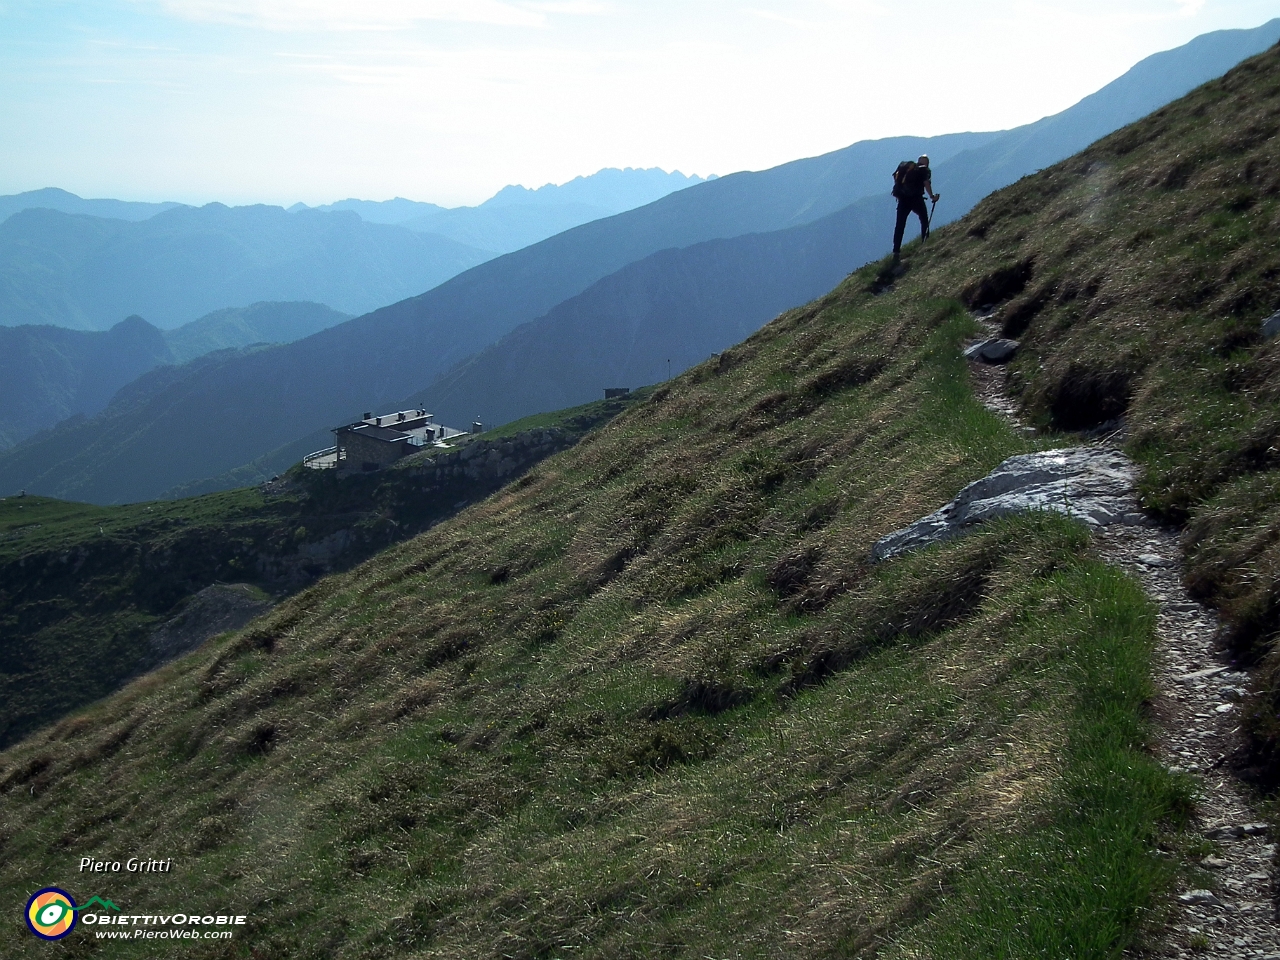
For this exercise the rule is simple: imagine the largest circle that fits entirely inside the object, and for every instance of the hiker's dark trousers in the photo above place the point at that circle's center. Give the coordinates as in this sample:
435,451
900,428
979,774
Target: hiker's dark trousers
906,207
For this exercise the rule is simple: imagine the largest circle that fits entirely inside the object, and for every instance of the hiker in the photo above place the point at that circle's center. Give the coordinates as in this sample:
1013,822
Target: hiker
911,181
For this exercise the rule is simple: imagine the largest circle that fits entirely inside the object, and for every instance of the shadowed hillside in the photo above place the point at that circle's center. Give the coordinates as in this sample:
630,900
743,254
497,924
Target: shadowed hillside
654,698
263,322
50,373
661,314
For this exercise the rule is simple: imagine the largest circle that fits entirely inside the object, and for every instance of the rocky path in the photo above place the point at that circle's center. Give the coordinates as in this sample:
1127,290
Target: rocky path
1229,911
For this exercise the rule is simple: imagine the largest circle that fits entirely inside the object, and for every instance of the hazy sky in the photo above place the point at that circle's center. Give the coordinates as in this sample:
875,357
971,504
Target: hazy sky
448,100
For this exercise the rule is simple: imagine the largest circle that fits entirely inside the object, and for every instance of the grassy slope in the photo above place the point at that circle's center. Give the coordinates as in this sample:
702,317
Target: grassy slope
1154,257
82,587
651,700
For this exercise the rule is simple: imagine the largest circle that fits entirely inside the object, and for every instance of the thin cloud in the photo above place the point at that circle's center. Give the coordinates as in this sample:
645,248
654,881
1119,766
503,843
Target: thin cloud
819,14
588,8
342,15
781,18
1105,14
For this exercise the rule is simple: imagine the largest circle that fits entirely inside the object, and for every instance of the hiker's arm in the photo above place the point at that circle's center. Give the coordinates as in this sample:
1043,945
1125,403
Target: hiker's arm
928,186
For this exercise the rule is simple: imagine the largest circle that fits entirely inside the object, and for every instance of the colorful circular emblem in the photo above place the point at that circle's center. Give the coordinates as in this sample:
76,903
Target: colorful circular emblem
51,913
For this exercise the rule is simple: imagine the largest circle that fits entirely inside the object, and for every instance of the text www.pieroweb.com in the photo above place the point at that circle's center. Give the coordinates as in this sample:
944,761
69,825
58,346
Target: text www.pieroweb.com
172,927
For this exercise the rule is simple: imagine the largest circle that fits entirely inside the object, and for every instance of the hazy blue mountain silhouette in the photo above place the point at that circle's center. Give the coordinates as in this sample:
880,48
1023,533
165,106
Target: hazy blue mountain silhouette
86,272
390,212
50,373
252,405
611,189
264,322
666,312
516,216
51,198
504,229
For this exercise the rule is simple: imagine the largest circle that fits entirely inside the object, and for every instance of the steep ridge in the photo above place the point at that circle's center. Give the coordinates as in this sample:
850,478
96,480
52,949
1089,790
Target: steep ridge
654,697
659,315
1149,85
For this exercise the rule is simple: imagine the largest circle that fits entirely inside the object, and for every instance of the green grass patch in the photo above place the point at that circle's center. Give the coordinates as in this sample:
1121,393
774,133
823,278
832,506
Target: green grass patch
1082,881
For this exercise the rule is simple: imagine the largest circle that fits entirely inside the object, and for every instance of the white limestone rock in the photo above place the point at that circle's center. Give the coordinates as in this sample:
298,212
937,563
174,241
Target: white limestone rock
1092,484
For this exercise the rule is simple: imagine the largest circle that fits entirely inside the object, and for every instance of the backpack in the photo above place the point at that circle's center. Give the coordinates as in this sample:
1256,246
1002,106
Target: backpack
899,177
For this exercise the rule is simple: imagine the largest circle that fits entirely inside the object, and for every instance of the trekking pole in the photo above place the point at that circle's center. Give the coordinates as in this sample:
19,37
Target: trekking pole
931,209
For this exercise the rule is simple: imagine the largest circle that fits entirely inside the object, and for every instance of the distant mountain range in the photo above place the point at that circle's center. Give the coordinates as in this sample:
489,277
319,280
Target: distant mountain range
86,272
516,217
265,322
264,409
258,410
84,264
48,374
51,198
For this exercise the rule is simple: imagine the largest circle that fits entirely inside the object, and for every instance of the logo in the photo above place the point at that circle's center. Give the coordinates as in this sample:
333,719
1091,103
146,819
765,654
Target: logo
51,913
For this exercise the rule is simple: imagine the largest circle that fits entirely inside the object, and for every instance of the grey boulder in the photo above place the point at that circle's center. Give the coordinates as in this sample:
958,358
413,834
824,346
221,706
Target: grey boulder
1271,325
992,350
1092,484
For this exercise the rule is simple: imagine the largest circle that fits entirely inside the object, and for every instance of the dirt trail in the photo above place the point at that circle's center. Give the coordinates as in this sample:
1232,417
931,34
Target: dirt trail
1231,911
